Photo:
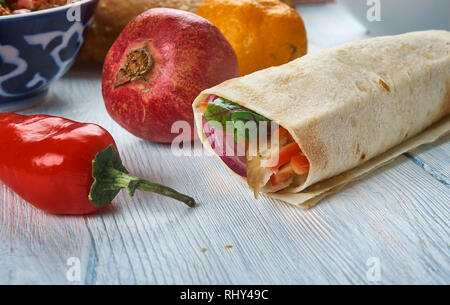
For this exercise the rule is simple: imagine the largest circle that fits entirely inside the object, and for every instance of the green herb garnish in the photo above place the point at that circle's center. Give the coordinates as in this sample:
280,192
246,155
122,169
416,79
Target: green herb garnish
222,110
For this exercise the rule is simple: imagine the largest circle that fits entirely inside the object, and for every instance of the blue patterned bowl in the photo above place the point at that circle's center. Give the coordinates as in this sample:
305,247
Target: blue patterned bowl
37,48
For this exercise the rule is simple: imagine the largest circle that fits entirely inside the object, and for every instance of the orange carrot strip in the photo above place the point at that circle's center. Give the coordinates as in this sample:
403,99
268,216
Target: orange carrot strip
282,133
300,164
203,106
283,174
284,156
279,132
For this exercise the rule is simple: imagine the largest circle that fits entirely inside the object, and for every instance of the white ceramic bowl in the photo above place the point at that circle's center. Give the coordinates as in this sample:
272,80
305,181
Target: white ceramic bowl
401,16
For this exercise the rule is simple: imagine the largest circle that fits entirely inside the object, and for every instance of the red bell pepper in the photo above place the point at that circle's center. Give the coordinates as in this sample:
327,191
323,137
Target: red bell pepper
66,167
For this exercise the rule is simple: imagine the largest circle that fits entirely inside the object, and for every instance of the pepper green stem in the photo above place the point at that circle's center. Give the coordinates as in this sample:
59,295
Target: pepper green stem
110,176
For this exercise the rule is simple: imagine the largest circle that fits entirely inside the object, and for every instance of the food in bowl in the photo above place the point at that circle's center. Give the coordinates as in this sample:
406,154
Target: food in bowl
37,48
9,7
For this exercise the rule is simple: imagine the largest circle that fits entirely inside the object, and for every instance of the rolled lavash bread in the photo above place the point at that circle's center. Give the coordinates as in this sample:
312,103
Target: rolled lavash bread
350,108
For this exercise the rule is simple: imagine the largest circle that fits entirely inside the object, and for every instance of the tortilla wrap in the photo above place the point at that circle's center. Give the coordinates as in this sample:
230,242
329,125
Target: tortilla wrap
350,107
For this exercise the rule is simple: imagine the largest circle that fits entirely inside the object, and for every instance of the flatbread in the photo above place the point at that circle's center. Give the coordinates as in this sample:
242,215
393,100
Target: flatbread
351,108
313,194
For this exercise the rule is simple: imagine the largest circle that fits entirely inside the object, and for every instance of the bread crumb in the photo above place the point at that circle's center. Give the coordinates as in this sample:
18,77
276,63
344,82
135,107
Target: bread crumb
203,250
228,246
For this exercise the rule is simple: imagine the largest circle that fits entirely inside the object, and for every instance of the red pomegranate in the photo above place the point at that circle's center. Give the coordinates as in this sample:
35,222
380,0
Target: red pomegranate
157,66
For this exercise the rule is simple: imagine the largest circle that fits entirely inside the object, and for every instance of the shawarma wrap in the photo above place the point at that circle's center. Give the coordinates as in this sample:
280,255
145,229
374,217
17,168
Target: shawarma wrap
336,114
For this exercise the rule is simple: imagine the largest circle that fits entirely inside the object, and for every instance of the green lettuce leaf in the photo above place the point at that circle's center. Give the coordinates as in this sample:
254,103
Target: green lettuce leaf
3,3
222,110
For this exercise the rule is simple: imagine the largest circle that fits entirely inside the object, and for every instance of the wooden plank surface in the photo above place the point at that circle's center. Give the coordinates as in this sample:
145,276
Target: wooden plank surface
398,214
434,159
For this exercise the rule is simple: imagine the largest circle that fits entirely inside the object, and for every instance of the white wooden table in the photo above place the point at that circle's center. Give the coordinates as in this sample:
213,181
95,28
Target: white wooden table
398,216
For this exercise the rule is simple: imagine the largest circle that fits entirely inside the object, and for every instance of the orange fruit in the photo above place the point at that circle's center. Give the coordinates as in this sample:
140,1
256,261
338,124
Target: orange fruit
263,33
